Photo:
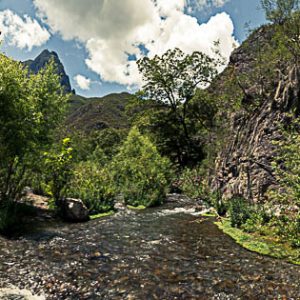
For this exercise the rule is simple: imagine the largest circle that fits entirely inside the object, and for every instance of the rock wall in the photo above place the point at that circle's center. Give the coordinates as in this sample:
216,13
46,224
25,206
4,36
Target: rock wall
40,62
244,165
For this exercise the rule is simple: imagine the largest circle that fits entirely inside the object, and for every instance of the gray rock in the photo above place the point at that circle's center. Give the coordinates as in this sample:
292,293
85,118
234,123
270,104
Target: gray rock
244,166
74,210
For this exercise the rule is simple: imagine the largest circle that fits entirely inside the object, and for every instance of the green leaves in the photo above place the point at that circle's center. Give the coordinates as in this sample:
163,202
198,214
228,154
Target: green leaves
173,78
141,174
58,168
278,11
31,107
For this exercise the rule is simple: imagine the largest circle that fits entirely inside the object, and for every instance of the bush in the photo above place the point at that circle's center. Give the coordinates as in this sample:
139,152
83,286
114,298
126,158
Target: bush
240,211
31,106
93,185
215,199
12,215
58,169
8,217
141,174
191,183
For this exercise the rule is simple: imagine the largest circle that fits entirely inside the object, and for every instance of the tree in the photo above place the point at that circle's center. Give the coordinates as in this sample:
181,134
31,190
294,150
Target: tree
278,11
172,81
141,174
58,170
31,106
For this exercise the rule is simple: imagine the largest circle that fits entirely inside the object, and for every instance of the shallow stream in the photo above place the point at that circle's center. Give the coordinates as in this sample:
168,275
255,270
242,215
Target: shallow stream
161,253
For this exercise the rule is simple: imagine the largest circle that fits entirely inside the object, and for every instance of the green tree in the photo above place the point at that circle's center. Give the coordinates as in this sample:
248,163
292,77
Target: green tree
30,108
171,80
141,174
93,184
278,11
58,169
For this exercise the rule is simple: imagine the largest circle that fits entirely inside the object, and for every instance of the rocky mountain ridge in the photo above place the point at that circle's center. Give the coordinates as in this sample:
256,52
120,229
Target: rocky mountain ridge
40,62
244,165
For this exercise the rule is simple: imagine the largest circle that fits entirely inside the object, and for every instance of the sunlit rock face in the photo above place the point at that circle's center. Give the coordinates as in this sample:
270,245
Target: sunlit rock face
243,167
40,62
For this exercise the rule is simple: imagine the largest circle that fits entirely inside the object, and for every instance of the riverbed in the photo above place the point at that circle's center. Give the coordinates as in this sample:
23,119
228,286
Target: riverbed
160,253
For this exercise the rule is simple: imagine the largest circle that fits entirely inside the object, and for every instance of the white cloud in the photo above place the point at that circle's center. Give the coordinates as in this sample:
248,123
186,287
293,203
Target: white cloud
83,82
200,4
22,32
112,31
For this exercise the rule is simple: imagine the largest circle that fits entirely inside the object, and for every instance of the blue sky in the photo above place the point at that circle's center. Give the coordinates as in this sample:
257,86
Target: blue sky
98,42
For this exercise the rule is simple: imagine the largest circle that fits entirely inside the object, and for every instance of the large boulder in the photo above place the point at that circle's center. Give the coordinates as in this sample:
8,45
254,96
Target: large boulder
74,210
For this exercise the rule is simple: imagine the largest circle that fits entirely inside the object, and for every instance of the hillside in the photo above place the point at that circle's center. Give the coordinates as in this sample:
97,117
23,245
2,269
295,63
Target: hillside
88,114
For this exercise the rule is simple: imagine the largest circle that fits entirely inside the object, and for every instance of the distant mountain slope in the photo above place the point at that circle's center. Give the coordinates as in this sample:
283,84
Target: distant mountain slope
89,114
38,63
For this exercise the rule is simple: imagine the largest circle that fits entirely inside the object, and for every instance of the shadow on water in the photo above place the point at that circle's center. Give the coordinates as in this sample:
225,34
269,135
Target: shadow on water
160,253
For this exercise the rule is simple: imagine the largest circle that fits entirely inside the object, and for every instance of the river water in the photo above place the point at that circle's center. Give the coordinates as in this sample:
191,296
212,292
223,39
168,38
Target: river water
160,253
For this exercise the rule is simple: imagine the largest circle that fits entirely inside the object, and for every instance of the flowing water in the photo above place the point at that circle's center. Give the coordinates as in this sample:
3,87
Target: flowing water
161,253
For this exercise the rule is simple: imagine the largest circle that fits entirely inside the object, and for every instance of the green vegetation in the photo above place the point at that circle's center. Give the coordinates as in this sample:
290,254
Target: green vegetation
265,245
58,169
141,174
31,106
140,207
171,83
93,185
166,137
102,215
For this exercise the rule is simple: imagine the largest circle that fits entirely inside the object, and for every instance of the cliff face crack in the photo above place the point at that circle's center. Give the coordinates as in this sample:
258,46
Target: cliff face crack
244,165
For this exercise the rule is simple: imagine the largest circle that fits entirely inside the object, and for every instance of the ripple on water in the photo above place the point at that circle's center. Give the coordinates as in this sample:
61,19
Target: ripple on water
154,254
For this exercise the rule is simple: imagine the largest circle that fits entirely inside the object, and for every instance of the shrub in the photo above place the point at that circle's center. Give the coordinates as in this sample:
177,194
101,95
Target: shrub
8,216
191,182
141,174
58,169
31,106
240,211
93,185
215,199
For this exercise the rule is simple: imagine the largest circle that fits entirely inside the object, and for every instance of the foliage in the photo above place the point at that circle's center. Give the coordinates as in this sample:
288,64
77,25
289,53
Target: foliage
172,81
265,245
278,11
239,211
106,144
141,174
58,169
93,185
215,199
8,217
287,166
30,108
192,183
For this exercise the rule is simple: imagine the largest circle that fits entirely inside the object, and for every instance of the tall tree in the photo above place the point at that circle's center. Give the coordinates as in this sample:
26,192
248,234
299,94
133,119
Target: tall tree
171,80
278,11
30,108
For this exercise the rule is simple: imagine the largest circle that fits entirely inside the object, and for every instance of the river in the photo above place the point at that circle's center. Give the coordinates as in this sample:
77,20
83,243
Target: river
159,253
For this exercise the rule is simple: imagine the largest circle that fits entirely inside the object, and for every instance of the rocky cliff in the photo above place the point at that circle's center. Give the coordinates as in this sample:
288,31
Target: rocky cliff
243,167
40,62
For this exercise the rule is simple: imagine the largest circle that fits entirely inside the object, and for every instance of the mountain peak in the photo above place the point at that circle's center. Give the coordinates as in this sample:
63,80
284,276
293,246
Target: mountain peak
40,62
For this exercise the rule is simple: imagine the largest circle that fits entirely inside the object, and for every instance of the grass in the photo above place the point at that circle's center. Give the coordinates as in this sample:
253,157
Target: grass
140,207
209,215
102,215
261,244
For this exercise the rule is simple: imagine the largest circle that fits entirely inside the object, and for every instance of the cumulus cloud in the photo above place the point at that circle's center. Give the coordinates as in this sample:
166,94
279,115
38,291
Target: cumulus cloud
200,4
22,32
83,82
117,33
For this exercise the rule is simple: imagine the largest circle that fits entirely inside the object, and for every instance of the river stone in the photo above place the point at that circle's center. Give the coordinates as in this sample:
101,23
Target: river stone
74,210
